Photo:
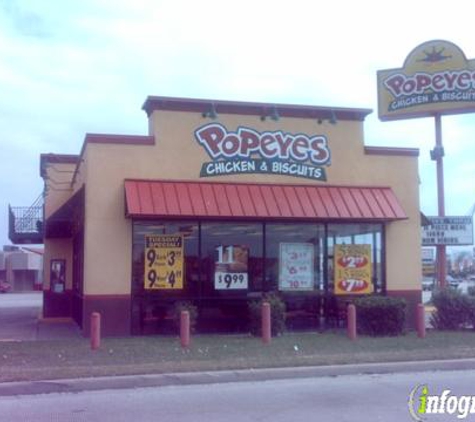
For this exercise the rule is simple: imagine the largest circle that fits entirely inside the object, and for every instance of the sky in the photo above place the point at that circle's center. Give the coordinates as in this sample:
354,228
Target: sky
68,68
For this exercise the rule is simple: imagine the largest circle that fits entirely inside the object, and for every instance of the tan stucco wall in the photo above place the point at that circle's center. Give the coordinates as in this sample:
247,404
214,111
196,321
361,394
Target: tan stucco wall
58,186
177,155
107,233
58,249
79,177
403,238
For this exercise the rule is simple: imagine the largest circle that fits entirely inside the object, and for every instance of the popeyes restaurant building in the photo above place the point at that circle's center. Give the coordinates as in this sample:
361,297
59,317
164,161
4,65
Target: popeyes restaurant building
221,202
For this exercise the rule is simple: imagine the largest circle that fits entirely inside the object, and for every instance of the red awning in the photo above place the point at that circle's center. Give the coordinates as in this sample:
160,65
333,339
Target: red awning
158,198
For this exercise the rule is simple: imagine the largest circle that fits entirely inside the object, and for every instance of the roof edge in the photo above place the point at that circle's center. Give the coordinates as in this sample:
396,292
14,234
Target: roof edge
248,183
394,151
153,103
51,158
100,138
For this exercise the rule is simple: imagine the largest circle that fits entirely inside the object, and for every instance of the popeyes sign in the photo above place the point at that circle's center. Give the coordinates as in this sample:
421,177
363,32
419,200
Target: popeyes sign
436,79
249,151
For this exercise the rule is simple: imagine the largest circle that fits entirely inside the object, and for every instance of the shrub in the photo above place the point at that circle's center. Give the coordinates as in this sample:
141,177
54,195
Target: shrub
471,311
185,306
471,291
380,315
277,309
453,309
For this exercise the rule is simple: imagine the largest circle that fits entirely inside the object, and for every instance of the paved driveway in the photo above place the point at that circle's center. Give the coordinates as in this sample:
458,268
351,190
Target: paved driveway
19,319
19,315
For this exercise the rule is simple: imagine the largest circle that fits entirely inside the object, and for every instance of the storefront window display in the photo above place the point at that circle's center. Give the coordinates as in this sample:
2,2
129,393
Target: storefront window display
214,262
253,257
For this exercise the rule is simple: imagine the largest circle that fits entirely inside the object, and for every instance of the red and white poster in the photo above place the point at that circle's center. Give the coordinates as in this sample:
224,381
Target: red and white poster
296,272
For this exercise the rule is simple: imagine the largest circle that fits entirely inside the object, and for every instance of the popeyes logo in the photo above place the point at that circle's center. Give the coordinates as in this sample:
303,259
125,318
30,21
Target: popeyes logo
400,84
249,151
436,78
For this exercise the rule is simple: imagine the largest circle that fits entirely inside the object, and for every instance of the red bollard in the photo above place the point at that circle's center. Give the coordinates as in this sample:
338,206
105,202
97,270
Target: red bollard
266,323
351,321
185,329
95,330
421,321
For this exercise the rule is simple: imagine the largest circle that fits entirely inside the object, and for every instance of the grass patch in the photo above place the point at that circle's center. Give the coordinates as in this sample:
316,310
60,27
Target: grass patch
72,358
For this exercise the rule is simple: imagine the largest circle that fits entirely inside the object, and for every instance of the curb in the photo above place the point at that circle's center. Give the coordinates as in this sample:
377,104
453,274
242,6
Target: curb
215,377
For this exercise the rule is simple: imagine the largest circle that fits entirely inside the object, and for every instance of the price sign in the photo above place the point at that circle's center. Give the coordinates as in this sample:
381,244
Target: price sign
225,281
230,270
353,269
163,262
296,269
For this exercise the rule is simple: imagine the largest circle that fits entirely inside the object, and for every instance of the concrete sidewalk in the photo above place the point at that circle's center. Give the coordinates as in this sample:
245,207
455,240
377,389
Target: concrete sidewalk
56,328
216,377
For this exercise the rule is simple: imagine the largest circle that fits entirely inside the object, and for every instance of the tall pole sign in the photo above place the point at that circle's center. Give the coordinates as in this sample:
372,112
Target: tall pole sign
437,154
436,80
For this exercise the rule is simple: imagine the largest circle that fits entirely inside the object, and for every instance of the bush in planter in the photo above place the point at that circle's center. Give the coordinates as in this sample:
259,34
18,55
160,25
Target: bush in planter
471,307
381,315
185,306
453,309
277,310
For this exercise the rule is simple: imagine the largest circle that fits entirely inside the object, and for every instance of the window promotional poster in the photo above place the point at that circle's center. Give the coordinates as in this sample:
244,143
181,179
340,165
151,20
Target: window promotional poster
296,266
163,262
230,271
353,269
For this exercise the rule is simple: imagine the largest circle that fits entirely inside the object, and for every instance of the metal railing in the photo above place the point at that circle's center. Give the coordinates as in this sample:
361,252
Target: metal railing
26,223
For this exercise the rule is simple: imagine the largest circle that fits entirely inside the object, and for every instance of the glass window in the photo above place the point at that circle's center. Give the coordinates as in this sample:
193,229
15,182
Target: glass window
294,257
366,235
231,258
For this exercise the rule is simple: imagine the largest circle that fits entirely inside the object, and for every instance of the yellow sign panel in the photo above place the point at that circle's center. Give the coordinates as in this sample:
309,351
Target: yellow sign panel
436,79
353,269
163,262
428,269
